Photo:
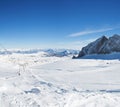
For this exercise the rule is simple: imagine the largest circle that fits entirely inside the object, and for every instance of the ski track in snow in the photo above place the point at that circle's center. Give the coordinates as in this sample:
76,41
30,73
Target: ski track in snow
58,81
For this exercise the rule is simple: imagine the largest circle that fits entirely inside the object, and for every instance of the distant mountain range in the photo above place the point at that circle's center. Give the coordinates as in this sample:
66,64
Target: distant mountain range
45,52
102,45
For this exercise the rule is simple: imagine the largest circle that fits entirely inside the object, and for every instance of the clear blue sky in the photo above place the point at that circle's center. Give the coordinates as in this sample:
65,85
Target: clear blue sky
56,23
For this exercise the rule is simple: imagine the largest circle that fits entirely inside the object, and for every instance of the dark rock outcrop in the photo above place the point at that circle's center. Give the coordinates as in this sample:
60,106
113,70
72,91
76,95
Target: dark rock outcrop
112,45
102,45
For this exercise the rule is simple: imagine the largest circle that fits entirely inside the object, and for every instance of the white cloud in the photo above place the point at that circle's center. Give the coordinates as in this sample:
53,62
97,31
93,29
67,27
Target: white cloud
85,32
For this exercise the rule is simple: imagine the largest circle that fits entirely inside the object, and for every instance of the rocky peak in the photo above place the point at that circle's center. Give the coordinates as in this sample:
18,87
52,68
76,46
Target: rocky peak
102,45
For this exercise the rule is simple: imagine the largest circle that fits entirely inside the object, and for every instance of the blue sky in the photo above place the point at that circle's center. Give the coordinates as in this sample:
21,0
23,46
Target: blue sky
56,23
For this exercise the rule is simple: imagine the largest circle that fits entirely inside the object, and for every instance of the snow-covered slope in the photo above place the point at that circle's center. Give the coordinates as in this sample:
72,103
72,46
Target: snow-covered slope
102,45
111,56
34,80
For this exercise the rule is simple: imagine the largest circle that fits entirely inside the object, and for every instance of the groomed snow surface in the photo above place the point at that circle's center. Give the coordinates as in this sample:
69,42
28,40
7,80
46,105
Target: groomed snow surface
35,80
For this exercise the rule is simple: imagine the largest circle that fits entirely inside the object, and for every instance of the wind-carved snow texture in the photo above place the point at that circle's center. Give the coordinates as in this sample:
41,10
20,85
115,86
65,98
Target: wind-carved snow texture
58,81
102,45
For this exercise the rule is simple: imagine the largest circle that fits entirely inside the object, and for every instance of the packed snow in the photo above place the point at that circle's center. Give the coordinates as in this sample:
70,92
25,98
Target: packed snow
39,80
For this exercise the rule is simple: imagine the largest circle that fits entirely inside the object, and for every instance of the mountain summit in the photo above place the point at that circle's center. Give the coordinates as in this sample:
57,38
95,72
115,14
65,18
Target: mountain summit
102,45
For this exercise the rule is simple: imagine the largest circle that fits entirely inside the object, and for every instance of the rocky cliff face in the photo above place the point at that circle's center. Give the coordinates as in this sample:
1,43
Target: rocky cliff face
102,45
111,45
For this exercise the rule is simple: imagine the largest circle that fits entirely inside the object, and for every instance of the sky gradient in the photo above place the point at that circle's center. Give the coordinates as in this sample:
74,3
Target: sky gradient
57,23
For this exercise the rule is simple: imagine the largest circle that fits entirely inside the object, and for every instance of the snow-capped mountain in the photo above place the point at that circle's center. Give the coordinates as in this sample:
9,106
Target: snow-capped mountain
102,45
